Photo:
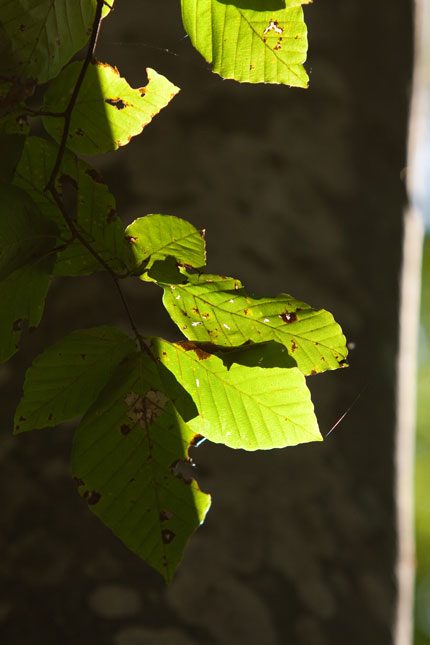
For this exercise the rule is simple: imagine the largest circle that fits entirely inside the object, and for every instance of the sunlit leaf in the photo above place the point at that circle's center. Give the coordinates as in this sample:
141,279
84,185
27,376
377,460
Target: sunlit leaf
218,310
91,205
67,377
38,37
108,112
22,298
252,41
125,459
242,406
25,234
155,237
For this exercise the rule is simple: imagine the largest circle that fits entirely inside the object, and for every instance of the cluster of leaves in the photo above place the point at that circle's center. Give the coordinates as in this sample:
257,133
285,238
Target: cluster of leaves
239,377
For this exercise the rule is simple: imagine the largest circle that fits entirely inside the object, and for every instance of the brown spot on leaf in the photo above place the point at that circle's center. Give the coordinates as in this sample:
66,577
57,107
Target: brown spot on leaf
165,515
195,310
246,312
79,132
117,103
293,345
125,429
95,175
78,481
17,325
288,317
144,410
167,536
83,356
92,497
131,240
190,346
313,372
22,27
21,419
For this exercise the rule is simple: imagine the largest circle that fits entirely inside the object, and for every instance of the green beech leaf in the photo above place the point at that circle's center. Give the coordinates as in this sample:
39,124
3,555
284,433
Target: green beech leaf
216,309
108,112
25,234
22,298
242,406
252,41
92,208
38,37
67,377
155,237
125,459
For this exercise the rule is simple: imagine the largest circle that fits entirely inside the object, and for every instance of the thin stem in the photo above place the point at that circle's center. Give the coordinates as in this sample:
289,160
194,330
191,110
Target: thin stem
68,111
51,183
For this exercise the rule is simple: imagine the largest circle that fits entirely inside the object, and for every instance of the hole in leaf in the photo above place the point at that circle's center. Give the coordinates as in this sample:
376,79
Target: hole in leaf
117,103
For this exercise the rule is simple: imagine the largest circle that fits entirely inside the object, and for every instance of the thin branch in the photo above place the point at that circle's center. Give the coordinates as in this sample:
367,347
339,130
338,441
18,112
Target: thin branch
77,235
68,111
51,183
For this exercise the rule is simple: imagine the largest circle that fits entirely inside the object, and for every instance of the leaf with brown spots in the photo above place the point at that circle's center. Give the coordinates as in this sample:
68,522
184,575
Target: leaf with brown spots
142,500
220,311
257,41
108,111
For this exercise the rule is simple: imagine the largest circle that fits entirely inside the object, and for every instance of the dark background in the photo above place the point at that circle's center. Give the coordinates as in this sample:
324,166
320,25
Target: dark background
300,191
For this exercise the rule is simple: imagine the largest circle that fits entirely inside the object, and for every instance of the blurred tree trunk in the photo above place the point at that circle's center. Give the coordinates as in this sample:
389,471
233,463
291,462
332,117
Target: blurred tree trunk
300,191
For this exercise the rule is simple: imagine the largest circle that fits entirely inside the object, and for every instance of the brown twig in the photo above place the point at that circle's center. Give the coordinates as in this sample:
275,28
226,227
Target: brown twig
52,179
69,109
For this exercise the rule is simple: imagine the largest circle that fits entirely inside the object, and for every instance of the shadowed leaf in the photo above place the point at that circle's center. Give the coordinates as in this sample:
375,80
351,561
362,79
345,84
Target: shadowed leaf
67,377
38,37
125,455
253,408
108,112
94,211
